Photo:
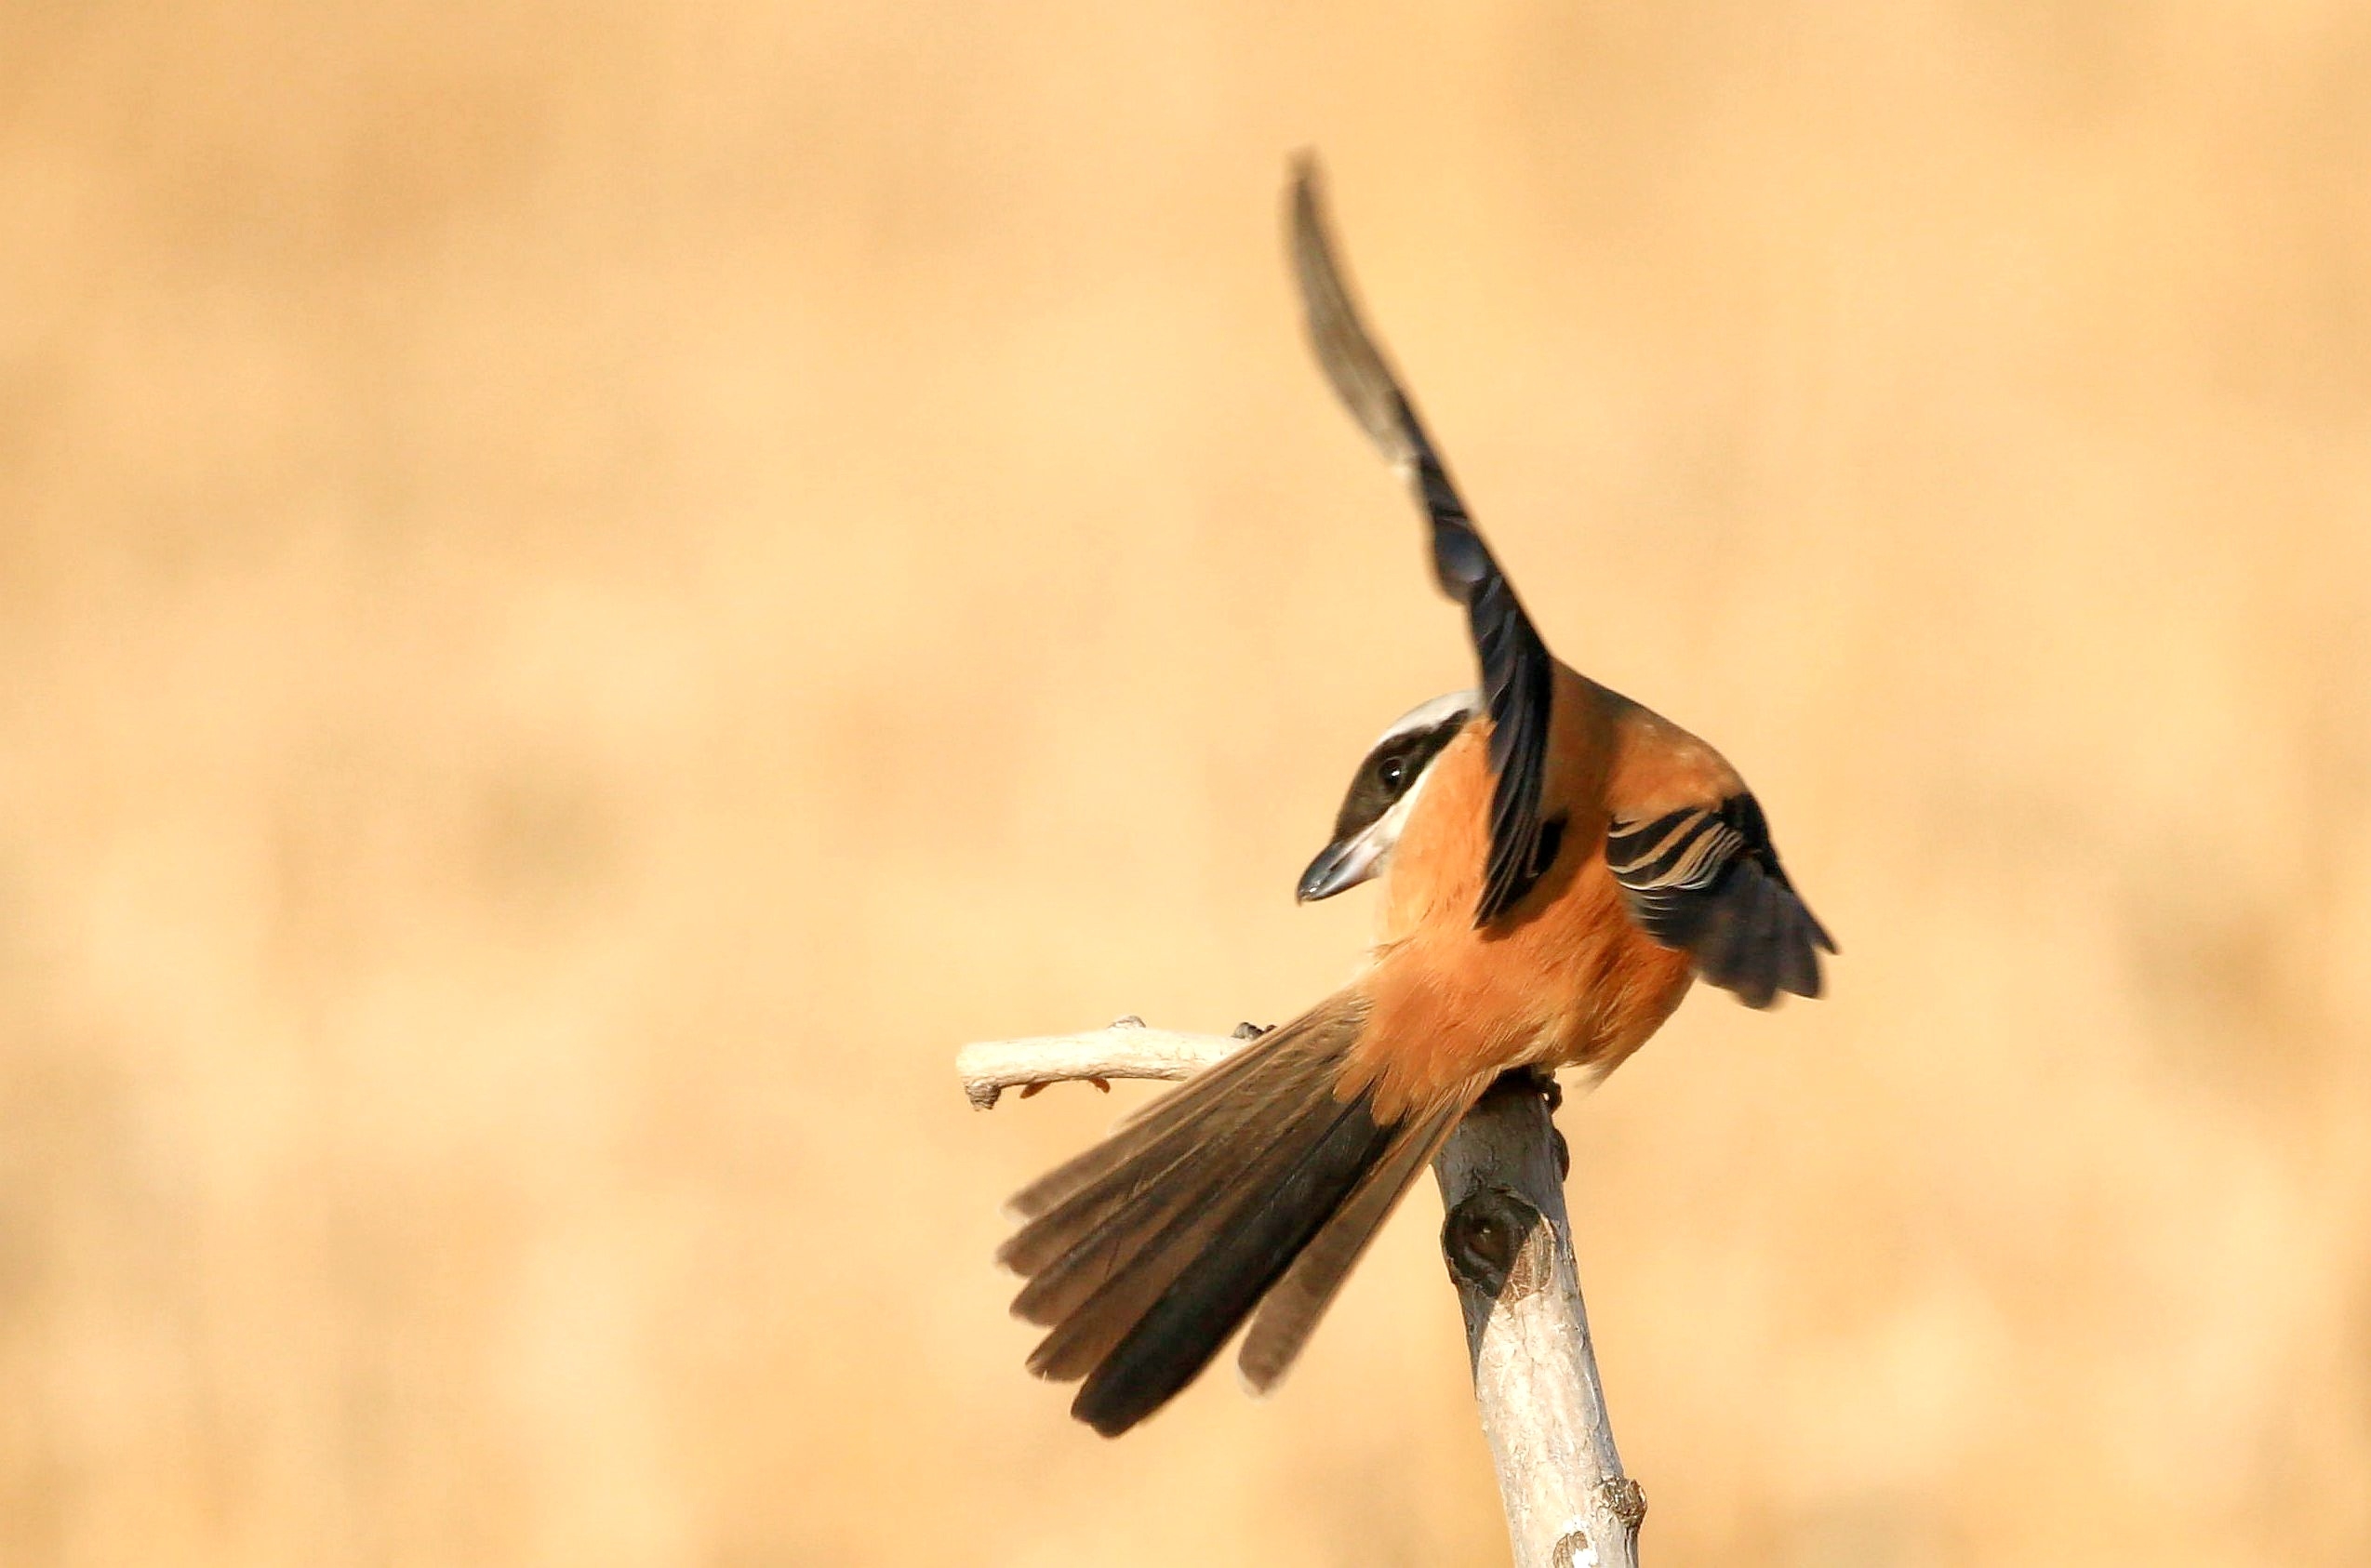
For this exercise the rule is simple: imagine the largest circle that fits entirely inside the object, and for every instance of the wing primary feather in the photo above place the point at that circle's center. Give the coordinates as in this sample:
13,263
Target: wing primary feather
1708,880
1517,674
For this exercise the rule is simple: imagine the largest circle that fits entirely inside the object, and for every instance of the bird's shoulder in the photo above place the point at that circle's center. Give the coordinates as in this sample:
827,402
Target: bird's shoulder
1654,765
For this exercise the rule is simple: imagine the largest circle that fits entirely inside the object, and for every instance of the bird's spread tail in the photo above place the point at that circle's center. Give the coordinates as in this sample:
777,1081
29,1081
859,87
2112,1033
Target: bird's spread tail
1247,1193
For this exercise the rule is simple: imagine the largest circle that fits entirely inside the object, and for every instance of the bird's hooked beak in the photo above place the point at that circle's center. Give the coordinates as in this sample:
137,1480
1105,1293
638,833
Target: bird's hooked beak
1342,865
1381,794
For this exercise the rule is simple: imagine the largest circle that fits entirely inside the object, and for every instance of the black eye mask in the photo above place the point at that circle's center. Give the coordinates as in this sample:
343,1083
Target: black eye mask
1390,771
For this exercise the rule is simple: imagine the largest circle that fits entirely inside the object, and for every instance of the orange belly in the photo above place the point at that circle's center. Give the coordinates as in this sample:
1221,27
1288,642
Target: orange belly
1567,979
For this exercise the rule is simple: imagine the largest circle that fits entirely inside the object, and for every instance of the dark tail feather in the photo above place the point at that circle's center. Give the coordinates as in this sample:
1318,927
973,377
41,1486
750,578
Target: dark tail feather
1291,1310
1182,1331
1092,1294
1164,1115
1177,1188
1147,1253
1098,1195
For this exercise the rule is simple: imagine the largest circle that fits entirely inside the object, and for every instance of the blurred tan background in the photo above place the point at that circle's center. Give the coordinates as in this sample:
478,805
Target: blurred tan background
589,590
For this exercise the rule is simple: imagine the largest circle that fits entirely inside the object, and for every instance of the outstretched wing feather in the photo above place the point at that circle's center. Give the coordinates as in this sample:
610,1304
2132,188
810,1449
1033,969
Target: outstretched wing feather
1517,674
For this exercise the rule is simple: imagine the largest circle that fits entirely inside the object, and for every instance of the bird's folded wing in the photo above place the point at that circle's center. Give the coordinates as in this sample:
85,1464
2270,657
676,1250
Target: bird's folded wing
1707,879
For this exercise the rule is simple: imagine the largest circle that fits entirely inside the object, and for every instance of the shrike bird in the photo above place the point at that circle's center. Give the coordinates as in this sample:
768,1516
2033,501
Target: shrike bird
1558,864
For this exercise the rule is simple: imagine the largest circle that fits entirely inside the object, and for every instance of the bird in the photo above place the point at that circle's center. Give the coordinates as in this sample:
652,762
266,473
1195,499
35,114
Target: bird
1558,864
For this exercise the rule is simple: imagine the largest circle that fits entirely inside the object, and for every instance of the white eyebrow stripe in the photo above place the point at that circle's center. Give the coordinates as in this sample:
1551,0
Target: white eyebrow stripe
1431,714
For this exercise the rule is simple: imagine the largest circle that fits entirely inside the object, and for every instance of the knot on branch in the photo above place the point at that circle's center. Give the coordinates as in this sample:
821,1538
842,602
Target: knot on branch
1496,1244
1624,1498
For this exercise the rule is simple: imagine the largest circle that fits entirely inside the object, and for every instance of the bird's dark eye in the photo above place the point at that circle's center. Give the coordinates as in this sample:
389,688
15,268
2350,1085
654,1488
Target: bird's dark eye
1394,770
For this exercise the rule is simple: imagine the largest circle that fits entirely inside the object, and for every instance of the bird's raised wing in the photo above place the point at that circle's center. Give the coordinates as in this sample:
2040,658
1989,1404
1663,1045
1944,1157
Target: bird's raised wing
1517,675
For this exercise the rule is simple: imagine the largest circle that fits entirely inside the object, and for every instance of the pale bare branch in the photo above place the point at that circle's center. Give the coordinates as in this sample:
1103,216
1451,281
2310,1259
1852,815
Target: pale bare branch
1123,1051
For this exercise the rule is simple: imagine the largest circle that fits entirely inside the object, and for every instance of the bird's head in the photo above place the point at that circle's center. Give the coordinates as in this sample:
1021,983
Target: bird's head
1382,792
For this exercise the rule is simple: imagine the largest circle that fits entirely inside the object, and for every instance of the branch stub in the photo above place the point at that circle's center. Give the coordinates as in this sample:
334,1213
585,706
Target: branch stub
1486,1240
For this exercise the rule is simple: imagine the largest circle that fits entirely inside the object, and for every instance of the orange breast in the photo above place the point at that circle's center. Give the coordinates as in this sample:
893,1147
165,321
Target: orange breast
1565,979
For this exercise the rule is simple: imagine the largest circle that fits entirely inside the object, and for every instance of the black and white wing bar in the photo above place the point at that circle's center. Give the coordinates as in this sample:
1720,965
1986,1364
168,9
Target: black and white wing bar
1707,879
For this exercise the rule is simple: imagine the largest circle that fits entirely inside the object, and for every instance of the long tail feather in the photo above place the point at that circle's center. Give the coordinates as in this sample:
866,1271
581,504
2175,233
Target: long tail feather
1159,1228
1262,1179
1291,1310
1172,1343
1176,1107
